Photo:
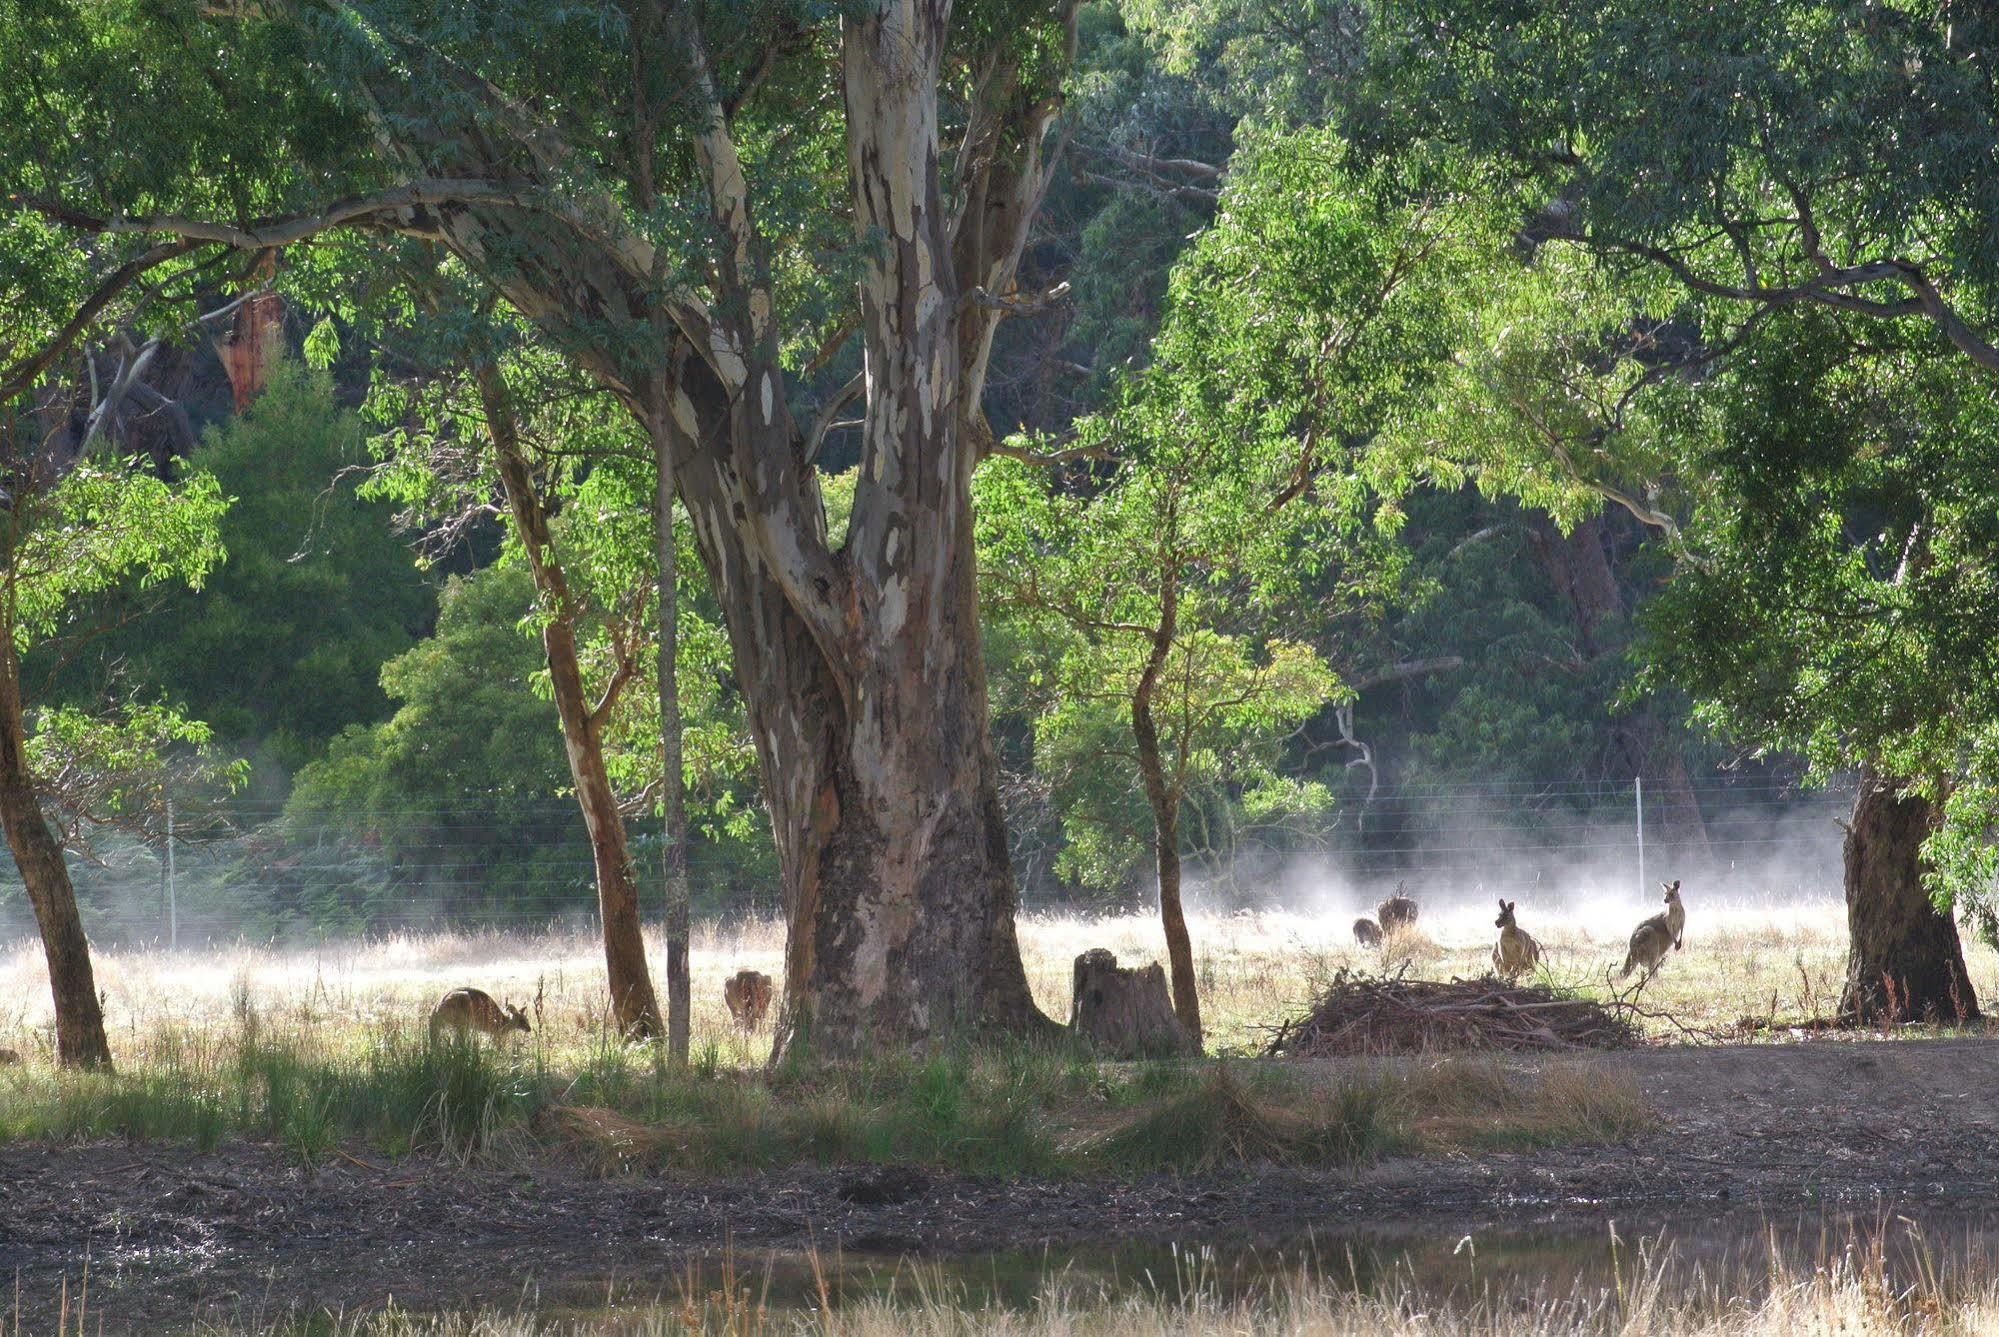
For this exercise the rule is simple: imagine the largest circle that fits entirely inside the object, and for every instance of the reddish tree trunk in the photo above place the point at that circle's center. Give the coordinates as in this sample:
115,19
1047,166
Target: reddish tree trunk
634,1008
1904,960
80,1040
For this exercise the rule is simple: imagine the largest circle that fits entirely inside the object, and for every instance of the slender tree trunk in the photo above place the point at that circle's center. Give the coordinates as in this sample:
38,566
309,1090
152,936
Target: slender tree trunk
80,1040
633,1005
1904,960
1164,801
672,795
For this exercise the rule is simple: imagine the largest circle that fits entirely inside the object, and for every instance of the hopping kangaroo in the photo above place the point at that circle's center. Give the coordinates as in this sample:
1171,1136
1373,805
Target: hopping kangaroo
1651,939
747,993
1516,952
474,1010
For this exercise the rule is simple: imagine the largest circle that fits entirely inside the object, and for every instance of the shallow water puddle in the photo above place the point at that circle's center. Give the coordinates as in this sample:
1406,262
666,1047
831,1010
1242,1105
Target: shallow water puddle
1731,1253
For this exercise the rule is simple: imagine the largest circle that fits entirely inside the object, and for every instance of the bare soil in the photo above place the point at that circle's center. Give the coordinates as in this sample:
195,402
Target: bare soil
1891,1125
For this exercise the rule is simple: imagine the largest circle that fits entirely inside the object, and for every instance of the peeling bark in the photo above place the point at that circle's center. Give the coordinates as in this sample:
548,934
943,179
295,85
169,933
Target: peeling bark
861,670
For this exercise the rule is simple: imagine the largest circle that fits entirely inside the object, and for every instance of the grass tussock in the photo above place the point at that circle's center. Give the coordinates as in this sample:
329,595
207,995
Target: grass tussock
1465,1103
1254,1116
1023,1110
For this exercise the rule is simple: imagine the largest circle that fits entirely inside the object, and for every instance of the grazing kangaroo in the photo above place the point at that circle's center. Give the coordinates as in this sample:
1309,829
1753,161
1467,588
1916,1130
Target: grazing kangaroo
1650,940
747,993
1398,911
1366,932
1516,952
474,1010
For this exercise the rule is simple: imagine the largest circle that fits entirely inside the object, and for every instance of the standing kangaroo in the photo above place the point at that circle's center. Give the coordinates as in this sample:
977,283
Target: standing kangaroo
748,994
1651,939
465,1010
1516,952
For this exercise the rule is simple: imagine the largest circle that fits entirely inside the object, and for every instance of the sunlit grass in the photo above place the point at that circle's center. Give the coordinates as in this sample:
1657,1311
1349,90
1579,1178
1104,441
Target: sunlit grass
1255,970
311,1047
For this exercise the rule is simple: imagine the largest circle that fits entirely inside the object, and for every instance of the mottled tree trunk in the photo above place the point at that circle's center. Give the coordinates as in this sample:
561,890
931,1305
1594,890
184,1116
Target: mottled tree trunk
634,1008
861,669
889,835
80,1040
1904,960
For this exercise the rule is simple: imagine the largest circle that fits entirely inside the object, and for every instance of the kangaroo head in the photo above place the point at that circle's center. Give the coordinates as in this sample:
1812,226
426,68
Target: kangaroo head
1672,891
1505,919
517,1021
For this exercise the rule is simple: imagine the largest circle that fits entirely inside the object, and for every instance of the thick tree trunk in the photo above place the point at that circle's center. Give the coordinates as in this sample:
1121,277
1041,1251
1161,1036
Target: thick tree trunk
672,795
861,669
80,1040
1904,960
634,1008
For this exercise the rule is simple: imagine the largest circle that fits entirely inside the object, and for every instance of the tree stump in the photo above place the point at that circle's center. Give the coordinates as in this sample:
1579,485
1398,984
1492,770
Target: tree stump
1126,1013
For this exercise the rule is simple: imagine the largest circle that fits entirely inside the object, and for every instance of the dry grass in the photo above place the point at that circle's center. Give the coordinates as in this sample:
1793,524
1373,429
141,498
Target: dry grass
1255,969
1653,1294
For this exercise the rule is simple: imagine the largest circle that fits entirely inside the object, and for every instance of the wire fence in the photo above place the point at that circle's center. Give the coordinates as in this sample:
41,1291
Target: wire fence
247,869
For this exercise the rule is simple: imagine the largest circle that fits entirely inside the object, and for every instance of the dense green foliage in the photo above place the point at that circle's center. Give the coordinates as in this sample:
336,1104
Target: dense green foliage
281,648
1417,353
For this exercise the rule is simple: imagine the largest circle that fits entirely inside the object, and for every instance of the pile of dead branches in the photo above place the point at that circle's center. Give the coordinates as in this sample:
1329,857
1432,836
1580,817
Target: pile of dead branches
1372,1014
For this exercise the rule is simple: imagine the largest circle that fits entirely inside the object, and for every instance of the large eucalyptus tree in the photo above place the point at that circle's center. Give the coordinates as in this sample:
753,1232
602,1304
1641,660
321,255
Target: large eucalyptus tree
698,204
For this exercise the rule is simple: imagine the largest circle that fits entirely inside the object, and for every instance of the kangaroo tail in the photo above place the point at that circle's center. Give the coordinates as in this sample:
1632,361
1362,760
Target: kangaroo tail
1630,964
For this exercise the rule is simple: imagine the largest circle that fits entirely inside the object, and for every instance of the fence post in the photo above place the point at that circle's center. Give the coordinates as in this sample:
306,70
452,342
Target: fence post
173,907
1638,798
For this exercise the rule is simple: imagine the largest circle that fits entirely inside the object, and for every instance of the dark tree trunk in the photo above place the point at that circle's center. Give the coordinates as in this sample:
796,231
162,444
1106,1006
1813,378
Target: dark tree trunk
1163,799
672,796
80,1040
634,1008
1578,566
1904,961
1123,1011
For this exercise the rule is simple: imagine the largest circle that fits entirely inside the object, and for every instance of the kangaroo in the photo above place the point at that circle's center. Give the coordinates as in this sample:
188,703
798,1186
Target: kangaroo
1516,952
1398,911
747,993
474,1010
8,1057
1650,939
1366,932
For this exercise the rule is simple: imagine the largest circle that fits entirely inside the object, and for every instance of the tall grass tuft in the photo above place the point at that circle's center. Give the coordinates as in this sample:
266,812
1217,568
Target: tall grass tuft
1228,1118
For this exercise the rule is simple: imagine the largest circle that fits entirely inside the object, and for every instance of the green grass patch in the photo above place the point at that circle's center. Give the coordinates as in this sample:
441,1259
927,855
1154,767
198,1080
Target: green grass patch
1003,1111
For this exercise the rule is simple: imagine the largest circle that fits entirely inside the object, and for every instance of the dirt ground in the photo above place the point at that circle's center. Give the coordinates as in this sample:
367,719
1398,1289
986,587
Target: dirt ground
1904,1125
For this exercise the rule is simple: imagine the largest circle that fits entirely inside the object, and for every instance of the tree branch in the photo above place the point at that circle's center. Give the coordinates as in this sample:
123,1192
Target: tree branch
25,372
